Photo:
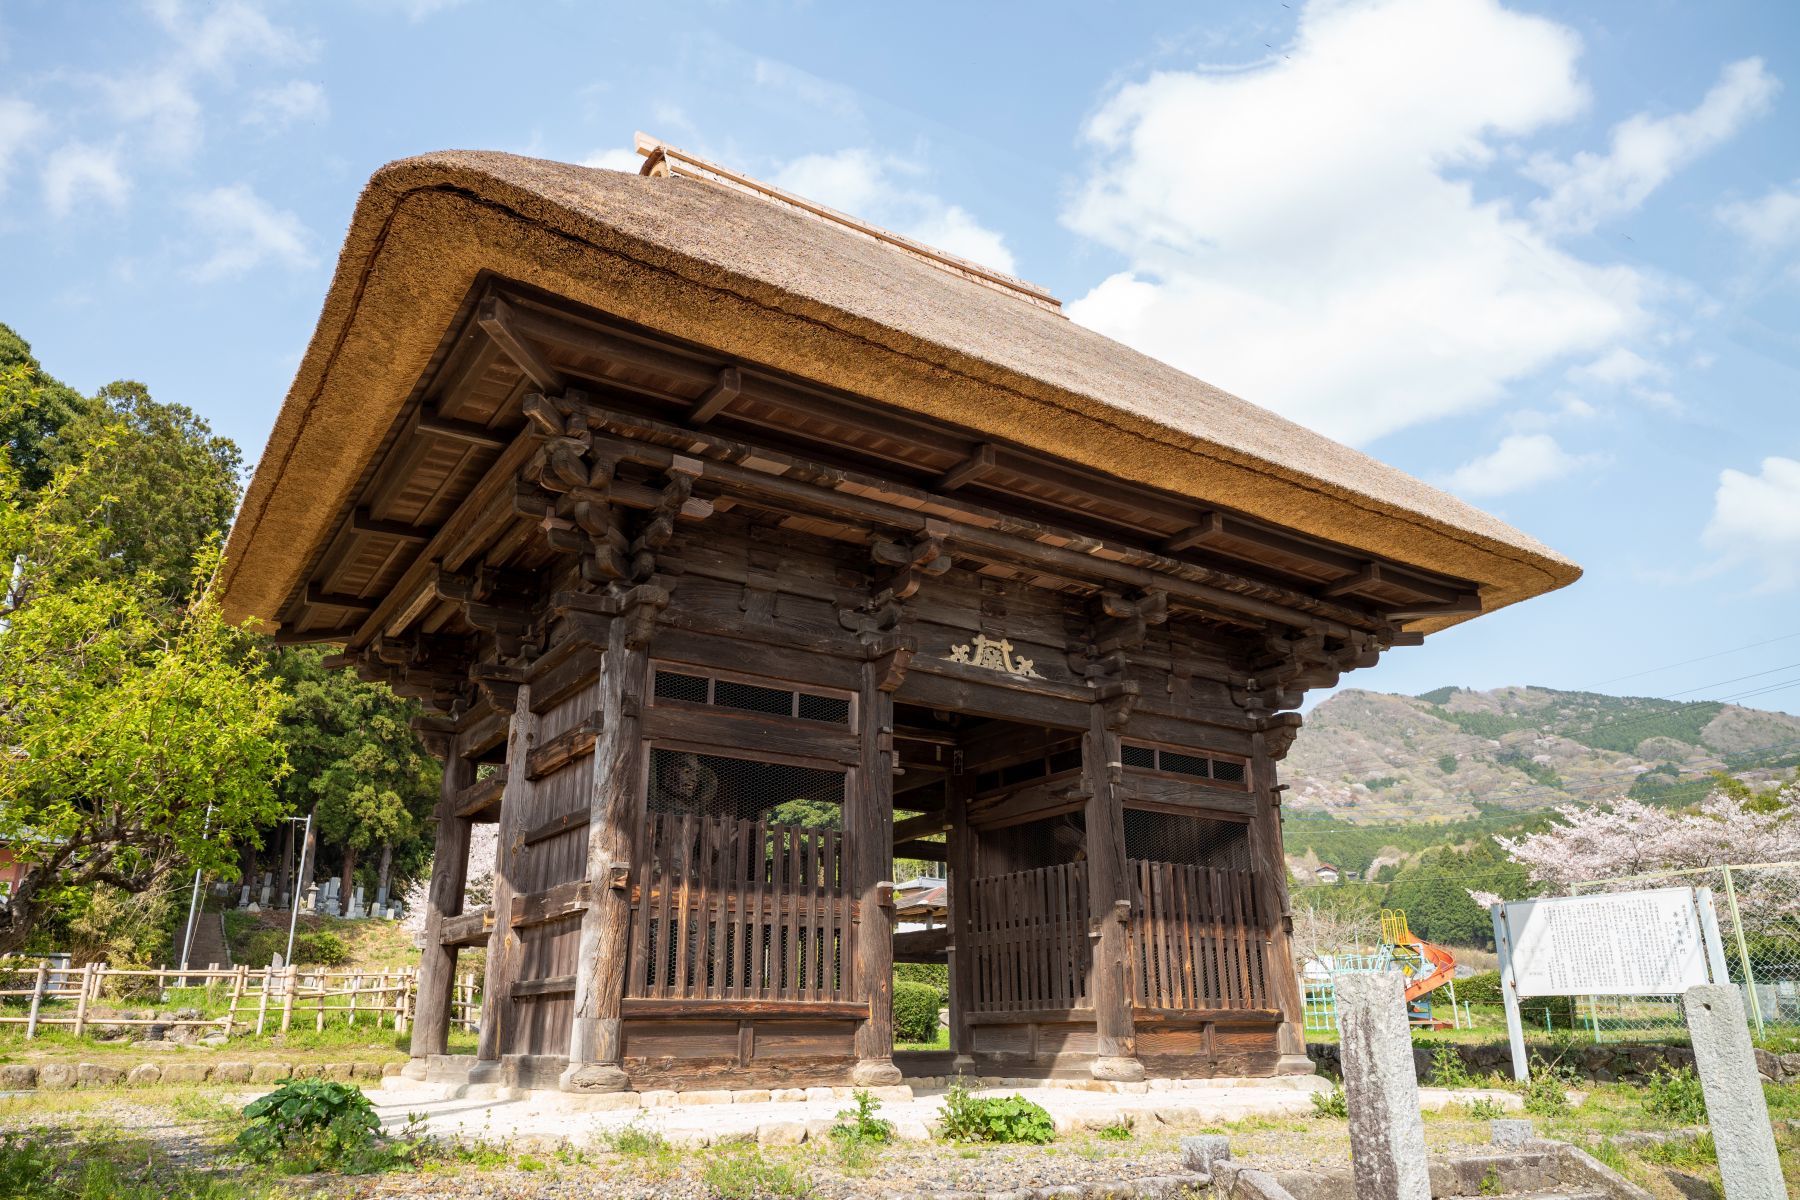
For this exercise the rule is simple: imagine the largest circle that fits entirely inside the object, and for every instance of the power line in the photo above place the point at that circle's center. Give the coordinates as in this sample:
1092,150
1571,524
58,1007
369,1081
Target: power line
1688,661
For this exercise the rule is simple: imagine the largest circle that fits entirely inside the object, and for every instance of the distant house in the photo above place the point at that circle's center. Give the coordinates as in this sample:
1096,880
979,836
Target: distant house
11,871
1326,873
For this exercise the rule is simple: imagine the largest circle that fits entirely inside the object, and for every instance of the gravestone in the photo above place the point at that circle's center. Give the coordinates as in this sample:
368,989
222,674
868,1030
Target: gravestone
1735,1107
1381,1088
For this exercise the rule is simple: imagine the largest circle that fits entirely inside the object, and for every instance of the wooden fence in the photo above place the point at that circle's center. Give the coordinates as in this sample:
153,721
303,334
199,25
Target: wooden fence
1030,939
1196,938
255,1001
741,910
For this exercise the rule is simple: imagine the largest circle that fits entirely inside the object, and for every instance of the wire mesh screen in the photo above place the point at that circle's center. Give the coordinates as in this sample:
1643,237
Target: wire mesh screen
742,888
1052,842
1194,841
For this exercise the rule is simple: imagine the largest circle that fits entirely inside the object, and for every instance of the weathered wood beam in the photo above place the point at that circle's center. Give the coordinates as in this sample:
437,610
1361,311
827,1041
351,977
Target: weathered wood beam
730,384
1462,606
553,986
320,598
921,826
467,929
1206,529
303,637
1369,573
555,826
563,749
362,522
750,1010
551,904
480,796
969,470
498,319
432,425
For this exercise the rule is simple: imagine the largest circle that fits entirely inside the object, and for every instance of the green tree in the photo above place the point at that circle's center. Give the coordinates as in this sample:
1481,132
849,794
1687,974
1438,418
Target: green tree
34,407
1434,892
359,764
139,734
168,485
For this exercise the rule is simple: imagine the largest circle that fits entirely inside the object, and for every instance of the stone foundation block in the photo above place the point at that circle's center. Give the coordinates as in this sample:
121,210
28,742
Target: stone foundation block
788,1095
596,1101
144,1074
187,1072
99,1075
56,1077
750,1096
391,1069
17,1077
231,1072
1511,1133
338,1071
820,1095
781,1133
659,1098
1201,1152
365,1070
690,1099
270,1072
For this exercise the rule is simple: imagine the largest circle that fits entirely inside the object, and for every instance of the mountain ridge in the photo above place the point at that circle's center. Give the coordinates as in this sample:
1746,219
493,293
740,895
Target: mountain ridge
1455,753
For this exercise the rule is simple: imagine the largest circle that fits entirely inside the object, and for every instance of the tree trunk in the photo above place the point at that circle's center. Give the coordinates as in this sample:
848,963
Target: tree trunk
348,886
284,871
381,881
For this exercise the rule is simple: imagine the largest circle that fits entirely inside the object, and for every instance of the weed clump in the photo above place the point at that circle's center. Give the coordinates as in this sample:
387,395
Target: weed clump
971,1118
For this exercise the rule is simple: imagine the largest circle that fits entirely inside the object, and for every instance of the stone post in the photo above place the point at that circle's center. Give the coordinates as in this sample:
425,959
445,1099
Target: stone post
1735,1108
1387,1134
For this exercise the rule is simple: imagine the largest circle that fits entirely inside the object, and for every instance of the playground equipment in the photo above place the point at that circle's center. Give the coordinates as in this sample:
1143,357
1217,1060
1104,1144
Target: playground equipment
1426,966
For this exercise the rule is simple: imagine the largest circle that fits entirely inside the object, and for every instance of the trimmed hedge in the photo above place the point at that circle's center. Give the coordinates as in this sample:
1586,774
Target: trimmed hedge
916,1012
935,975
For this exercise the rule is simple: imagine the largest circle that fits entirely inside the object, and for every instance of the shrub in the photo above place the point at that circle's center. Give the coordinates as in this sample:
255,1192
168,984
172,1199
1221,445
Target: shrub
1483,987
935,975
1330,1104
916,1012
860,1124
320,949
1483,1109
1675,1096
311,1125
970,1118
1448,1069
1545,1095
747,1175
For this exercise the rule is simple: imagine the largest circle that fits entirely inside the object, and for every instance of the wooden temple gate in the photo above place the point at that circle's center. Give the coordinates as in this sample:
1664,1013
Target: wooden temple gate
714,642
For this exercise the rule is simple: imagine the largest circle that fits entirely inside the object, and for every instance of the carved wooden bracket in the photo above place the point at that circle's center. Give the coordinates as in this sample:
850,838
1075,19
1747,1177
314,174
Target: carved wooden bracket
906,567
639,608
892,657
1117,699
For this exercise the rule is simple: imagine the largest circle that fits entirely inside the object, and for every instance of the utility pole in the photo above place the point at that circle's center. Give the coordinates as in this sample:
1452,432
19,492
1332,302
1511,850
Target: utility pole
187,942
299,887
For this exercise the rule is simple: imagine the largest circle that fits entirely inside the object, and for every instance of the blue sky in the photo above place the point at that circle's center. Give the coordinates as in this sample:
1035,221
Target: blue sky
1546,255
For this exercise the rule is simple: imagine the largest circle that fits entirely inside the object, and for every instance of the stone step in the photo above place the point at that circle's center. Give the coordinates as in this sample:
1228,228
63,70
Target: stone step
1584,1194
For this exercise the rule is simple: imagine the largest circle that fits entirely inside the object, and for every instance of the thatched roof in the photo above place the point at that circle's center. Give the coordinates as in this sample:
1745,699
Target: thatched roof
770,286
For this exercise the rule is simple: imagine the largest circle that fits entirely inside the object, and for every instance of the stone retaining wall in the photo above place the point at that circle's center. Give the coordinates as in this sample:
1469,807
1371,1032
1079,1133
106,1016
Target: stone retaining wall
21,1077
1604,1063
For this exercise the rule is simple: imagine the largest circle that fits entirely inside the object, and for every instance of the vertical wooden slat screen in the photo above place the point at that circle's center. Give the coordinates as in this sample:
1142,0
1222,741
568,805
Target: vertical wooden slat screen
737,909
1196,938
1029,939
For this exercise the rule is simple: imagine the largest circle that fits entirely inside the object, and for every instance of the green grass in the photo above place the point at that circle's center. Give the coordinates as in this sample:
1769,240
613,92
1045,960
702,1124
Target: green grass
940,1042
39,1167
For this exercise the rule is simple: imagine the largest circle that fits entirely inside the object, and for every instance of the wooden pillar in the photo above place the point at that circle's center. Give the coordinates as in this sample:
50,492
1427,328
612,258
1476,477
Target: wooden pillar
1109,903
444,898
958,789
869,828
1268,870
615,813
503,943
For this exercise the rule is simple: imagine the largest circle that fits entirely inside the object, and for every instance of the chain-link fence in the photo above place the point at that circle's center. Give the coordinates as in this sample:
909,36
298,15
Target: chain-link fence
1758,910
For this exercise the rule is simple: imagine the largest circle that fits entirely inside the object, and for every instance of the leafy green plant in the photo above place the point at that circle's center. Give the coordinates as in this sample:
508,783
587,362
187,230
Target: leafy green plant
1545,1095
1118,1131
1330,1104
970,1118
1683,1151
1490,1183
655,1156
1675,1095
1483,1109
744,1174
859,1123
320,949
1448,1069
312,1125
916,1008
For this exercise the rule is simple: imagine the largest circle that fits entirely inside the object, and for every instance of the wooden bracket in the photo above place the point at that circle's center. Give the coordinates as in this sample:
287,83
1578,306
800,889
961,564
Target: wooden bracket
495,316
891,656
639,608
730,383
1118,699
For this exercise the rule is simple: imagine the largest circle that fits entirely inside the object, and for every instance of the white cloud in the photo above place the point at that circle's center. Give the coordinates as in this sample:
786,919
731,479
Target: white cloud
1771,220
1520,461
879,189
419,10
77,171
1647,150
276,108
216,44
1618,366
1756,521
1297,231
615,160
818,94
20,124
246,232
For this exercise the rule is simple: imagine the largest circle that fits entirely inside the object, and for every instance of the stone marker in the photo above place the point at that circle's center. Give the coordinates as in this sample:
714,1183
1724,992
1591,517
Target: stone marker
1387,1133
1735,1108
1204,1151
1509,1133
